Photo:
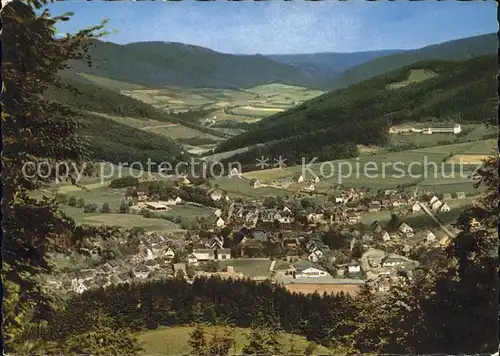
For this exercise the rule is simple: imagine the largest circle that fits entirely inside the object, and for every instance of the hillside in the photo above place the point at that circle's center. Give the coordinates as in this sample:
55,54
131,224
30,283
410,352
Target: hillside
328,65
110,140
456,50
160,64
330,125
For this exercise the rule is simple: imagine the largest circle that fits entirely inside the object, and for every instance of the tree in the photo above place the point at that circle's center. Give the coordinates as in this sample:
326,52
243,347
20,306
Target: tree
197,342
433,313
72,201
124,207
103,339
35,130
80,203
220,344
90,208
105,208
263,338
269,202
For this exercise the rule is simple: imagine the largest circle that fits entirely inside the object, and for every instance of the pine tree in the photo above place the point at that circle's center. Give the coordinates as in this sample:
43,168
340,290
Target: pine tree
220,344
197,342
34,130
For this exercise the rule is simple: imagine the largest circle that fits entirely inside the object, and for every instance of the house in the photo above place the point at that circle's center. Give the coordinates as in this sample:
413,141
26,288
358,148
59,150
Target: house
416,207
374,206
447,196
307,269
141,195
234,172
406,229
315,218
353,267
430,237
339,200
86,274
461,195
436,128
315,255
216,195
376,227
169,253
436,205
433,200
179,268
300,179
185,181
220,223
156,206
444,207
217,242
257,184
352,217
316,180
310,187
384,235
389,261
286,211
222,254
218,212
205,254
141,271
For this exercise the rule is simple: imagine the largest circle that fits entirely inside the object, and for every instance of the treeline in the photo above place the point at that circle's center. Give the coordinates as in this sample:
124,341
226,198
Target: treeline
460,89
324,145
176,302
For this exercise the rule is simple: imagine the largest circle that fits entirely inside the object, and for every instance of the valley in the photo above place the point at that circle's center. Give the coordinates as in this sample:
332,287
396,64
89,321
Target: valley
171,198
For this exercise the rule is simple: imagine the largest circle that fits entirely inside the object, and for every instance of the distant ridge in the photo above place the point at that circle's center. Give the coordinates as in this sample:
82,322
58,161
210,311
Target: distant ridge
456,50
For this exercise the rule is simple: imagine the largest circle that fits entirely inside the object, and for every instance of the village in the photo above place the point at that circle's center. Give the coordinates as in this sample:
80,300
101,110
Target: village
306,245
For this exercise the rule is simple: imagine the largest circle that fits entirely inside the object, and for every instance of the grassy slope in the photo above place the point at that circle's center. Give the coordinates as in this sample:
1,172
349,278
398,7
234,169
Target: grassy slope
468,88
174,341
453,50
159,64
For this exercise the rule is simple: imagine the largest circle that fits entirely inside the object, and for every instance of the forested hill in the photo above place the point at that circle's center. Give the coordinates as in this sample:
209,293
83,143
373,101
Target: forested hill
111,140
160,64
456,50
329,65
459,91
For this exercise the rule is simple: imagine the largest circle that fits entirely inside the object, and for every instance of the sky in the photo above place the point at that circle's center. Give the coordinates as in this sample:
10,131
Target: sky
285,27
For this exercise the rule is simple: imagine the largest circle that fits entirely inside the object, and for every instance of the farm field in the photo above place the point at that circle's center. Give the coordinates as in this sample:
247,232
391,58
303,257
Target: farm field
126,221
250,267
172,130
242,188
415,76
110,83
174,340
426,166
475,132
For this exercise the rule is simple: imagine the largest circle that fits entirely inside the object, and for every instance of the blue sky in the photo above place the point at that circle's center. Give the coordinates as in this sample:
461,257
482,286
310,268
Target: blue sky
286,26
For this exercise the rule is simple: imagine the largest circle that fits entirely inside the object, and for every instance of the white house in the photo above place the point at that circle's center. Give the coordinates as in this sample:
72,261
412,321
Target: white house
220,223
339,199
286,210
430,237
310,187
257,184
300,179
416,207
218,212
234,172
223,254
391,262
385,236
405,229
316,180
354,268
433,200
306,269
436,205
444,207
315,255
216,195
169,253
